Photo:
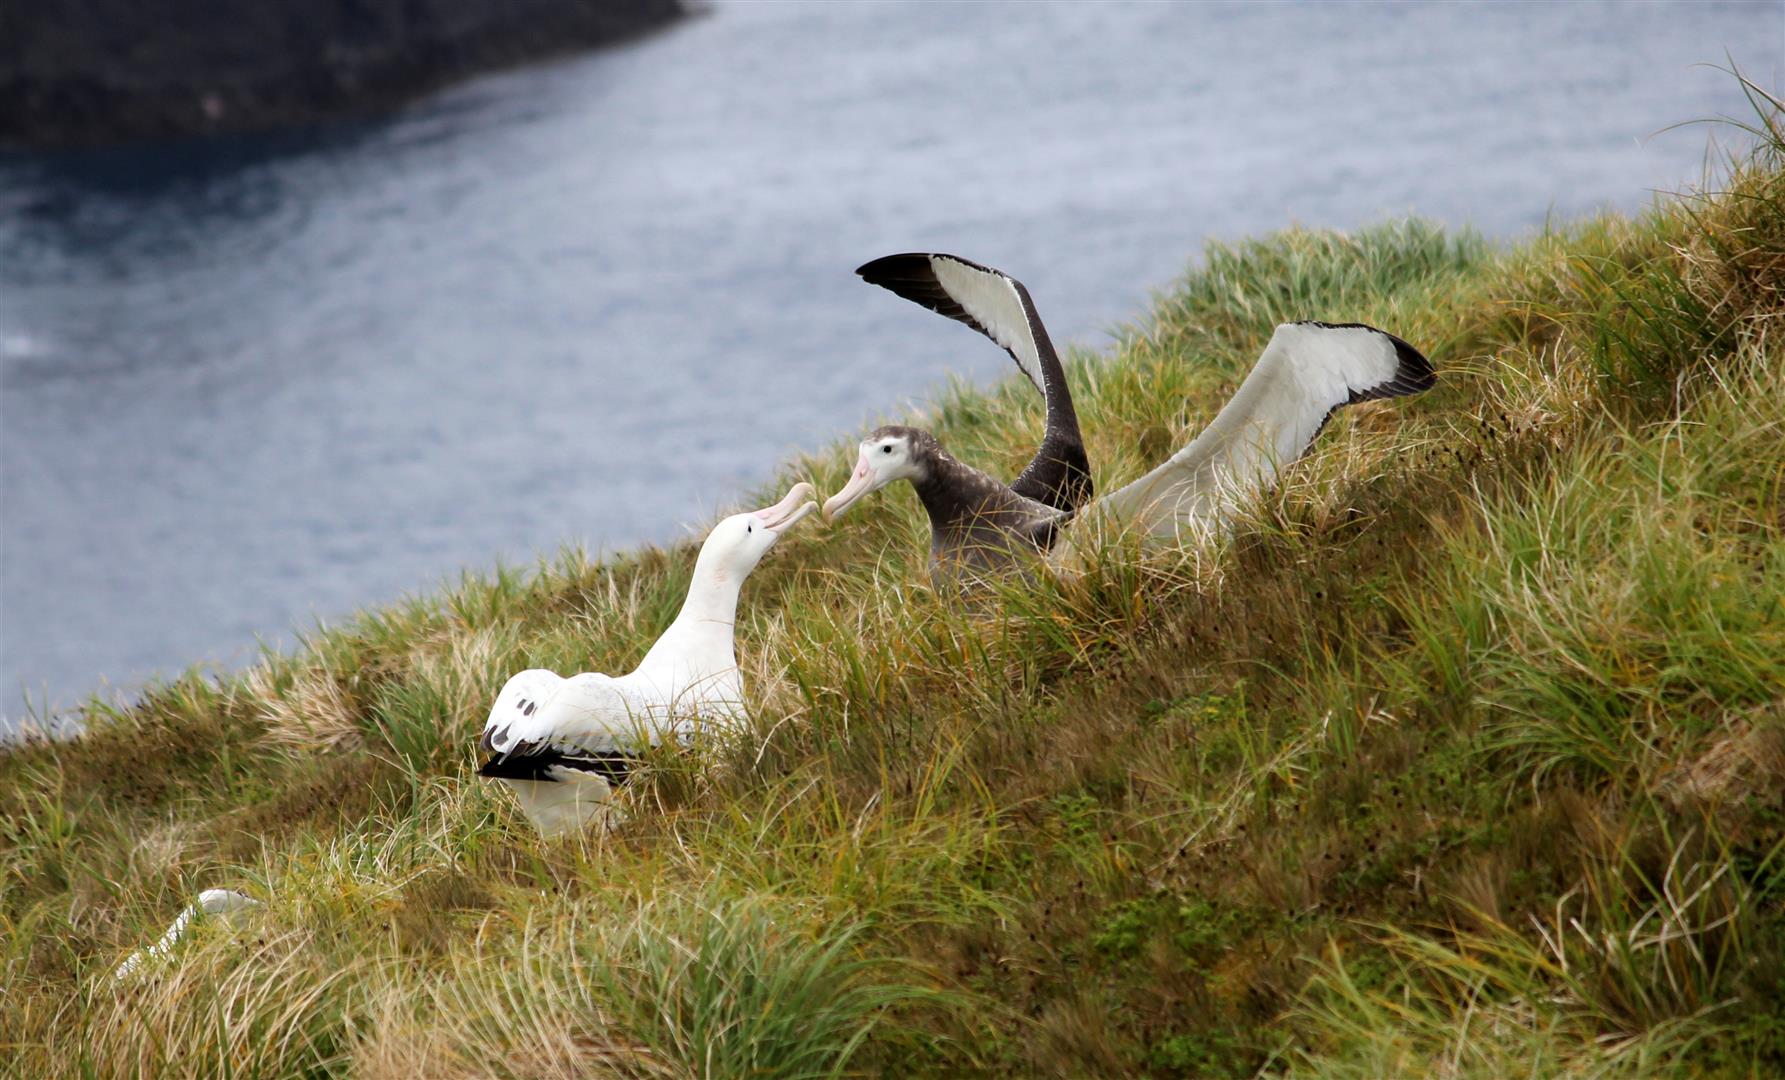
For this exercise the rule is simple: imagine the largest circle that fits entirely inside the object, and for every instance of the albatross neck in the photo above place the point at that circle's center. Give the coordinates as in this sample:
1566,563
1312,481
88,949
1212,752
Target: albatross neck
702,632
951,490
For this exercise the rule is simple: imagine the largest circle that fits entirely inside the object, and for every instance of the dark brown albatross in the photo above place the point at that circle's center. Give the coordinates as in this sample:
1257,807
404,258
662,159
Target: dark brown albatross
1307,372
998,306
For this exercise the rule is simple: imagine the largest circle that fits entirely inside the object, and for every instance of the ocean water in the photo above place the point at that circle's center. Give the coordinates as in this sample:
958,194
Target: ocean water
250,383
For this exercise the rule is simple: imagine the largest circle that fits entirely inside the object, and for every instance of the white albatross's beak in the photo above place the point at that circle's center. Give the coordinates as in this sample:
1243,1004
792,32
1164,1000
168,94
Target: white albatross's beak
861,483
784,515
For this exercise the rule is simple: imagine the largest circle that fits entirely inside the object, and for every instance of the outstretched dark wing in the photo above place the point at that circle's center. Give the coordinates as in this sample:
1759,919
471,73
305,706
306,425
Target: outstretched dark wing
998,306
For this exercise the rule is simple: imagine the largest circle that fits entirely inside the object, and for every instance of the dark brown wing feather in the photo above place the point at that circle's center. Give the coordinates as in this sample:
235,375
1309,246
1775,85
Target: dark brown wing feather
1059,475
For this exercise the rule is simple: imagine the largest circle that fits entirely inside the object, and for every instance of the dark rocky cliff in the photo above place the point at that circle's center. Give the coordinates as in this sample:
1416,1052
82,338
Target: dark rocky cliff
86,71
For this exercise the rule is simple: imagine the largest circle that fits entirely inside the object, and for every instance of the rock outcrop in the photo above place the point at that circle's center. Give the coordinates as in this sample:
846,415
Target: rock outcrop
91,71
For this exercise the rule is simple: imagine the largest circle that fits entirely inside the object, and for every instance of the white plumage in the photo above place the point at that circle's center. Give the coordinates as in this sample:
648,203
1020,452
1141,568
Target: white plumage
562,744
1307,370
1001,312
211,902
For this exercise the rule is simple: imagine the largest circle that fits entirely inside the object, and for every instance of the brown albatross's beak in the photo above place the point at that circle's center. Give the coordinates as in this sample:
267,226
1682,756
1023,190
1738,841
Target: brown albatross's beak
861,482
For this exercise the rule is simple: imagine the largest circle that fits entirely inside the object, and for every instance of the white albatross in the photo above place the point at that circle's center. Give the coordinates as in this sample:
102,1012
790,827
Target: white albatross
564,744
1308,371
212,902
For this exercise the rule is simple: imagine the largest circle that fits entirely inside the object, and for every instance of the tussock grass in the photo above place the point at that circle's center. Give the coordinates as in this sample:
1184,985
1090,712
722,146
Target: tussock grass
1463,756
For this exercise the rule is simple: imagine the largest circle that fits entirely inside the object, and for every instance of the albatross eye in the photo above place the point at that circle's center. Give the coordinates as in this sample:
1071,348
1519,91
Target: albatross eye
887,449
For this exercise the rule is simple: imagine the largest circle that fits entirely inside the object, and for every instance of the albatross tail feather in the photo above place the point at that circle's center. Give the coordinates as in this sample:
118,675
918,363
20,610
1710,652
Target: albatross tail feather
543,765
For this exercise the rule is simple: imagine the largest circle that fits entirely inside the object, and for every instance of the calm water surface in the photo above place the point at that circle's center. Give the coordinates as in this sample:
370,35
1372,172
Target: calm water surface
249,383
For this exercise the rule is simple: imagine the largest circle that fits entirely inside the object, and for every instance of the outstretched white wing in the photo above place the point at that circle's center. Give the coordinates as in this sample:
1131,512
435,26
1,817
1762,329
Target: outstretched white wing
1307,371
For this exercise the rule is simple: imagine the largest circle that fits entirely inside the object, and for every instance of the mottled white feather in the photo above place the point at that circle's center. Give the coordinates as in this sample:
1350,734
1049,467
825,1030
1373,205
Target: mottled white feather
522,696
585,715
589,713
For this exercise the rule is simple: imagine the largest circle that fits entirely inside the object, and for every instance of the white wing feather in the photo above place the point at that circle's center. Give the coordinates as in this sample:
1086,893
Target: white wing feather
1305,372
586,713
522,696
993,302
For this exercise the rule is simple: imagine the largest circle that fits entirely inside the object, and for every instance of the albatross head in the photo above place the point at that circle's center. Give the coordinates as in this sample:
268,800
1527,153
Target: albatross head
739,542
887,454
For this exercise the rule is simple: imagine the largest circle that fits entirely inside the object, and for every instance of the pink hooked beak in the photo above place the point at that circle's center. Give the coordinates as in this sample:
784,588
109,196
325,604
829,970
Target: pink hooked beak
860,484
786,513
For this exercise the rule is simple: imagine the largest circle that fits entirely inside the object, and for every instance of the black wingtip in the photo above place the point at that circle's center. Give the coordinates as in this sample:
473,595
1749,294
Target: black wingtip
500,766
895,268
1414,374
913,266
537,767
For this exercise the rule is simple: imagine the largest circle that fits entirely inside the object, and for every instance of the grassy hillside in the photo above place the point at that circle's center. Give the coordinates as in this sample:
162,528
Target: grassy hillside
1466,757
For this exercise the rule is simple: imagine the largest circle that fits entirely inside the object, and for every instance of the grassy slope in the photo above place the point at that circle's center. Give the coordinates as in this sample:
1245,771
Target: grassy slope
1468,755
